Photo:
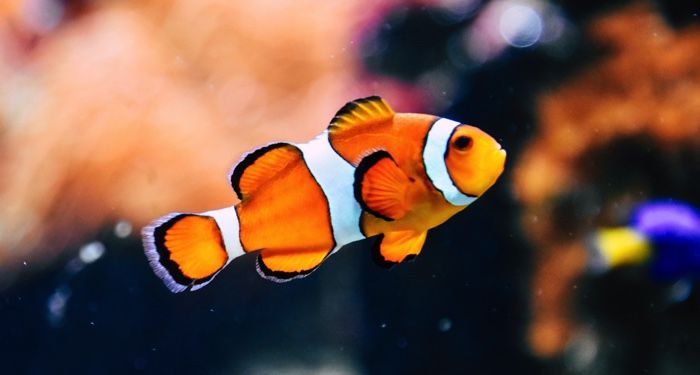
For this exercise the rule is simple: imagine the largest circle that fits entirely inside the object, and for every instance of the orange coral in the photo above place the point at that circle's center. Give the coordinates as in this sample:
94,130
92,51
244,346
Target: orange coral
601,139
131,109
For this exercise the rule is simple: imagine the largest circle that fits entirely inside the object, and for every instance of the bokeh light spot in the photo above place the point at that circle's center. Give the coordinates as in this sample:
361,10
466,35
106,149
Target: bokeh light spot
91,252
444,325
520,26
122,229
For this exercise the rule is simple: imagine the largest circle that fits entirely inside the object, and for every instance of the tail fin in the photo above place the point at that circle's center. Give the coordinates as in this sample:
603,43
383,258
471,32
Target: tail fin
187,250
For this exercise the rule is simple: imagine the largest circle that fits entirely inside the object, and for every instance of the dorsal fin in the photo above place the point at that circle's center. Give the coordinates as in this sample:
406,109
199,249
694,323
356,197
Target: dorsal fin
361,112
261,165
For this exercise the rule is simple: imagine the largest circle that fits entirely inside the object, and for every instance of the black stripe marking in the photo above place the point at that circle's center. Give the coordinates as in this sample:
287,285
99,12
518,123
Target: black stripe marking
247,161
377,256
164,255
281,276
362,168
360,223
447,146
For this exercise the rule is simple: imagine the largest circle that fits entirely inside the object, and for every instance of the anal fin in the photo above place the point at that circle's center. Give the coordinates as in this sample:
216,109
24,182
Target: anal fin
399,246
282,265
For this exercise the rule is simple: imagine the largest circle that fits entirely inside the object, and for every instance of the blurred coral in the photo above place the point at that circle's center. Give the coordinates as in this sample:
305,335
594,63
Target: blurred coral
129,109
625,130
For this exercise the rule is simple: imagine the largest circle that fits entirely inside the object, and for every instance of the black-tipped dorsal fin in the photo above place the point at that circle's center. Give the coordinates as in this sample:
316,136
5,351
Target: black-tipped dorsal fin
261,166
361,112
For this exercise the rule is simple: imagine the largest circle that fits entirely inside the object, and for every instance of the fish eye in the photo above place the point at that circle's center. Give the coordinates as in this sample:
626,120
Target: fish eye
462,143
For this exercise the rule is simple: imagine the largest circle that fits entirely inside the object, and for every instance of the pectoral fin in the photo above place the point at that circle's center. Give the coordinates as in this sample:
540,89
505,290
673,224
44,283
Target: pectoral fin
380,186
396,247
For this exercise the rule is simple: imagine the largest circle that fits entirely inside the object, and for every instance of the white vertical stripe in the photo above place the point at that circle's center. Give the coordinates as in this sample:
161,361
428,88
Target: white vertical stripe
336,178
436,144
227,220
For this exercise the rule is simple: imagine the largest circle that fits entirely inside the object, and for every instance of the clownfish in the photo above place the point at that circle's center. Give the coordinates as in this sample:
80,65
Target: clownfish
372,172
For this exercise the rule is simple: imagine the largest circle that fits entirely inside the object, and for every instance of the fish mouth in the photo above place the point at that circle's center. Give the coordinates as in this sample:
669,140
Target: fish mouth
499,146
503,155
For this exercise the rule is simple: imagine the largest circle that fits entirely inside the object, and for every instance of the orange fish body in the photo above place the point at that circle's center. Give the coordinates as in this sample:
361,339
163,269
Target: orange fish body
372,172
